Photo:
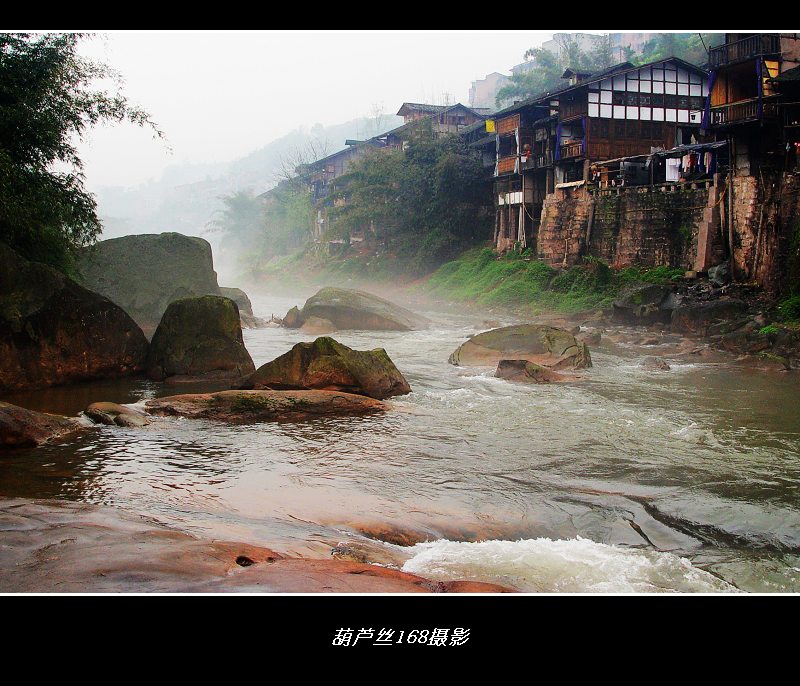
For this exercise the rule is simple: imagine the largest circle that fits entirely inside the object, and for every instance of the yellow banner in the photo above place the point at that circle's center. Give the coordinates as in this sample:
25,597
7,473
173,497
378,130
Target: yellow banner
490,126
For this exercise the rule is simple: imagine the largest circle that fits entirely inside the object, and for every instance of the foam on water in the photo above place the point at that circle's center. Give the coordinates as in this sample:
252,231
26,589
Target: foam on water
562,566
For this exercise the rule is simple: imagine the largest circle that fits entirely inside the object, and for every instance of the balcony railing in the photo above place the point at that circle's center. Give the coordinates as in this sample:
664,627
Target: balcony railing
743,111
571,150
752,46
507,165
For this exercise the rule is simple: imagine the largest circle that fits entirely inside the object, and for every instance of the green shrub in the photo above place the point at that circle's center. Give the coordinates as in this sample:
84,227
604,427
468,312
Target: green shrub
789,309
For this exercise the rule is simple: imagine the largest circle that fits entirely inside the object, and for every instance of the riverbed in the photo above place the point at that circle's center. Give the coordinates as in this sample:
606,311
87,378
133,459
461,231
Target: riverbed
628,481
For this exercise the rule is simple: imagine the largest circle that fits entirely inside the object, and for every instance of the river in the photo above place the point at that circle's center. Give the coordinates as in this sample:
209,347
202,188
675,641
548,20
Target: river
630,481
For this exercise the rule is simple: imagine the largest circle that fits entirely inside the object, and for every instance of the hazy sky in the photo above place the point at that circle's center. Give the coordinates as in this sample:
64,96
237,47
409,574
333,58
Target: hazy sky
219,95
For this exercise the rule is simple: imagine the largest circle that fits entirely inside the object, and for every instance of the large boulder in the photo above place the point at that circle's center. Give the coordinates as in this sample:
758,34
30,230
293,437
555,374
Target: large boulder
21,428
199,337
546,346
326,364
239,297
249,320
54,331
143,274
349,309
644,303
250,406
698,317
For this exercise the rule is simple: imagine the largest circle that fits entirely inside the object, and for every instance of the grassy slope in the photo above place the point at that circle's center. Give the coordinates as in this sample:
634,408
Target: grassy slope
520,283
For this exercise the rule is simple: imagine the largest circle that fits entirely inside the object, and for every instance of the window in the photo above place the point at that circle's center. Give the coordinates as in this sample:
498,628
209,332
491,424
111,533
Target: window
633,99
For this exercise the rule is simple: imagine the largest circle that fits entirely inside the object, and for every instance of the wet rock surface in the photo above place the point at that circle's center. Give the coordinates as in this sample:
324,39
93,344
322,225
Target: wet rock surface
23,428
248,406
199,336
655,364
326,364
54,331
546,346
528,372
77,548
112,414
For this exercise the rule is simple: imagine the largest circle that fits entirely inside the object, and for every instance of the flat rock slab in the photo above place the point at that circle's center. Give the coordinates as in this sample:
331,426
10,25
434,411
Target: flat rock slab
62,547
241,407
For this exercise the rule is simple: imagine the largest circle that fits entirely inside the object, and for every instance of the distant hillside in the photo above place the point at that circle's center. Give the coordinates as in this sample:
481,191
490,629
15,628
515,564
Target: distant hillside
186,197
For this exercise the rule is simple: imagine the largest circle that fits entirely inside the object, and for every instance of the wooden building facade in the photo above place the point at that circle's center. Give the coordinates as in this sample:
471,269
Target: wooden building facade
550,141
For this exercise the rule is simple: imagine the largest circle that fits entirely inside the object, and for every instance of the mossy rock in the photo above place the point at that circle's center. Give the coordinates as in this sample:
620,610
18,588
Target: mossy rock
54,331
239,297
293,319
144,273
643,303
542,345
351,309
199,336
326,364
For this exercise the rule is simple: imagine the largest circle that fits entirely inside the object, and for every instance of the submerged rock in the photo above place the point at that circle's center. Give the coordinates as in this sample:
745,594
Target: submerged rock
199,336
240,407
54,331
543,345
23,428
144,273
326,364
528,372
350,309
655,364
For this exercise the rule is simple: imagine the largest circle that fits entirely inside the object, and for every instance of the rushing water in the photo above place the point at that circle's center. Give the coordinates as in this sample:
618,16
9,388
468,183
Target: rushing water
629,481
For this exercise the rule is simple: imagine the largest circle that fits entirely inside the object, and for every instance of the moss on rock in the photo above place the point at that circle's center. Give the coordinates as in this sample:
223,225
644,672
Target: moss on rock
199,336
326,364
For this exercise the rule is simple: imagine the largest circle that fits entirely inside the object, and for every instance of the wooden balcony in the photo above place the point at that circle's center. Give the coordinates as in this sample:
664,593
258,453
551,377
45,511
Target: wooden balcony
743,111
507,124
571,150
507,165
745,49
